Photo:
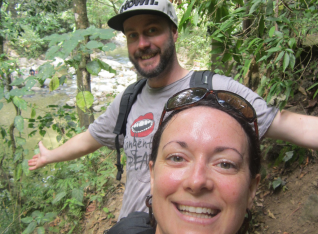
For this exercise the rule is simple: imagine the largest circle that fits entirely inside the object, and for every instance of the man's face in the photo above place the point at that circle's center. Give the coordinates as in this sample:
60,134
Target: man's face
151,44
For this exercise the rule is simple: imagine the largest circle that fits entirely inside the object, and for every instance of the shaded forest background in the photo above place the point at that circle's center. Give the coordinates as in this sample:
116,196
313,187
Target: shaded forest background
270,46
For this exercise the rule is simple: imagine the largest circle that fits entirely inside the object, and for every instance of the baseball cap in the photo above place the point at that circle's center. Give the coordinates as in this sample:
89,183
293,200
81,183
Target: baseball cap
137,7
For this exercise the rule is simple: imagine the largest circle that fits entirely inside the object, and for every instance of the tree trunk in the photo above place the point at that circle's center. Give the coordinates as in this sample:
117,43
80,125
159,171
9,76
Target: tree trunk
1,37
83,76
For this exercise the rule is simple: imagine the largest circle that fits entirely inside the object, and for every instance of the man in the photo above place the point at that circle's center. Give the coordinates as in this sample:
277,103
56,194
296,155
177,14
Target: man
151,31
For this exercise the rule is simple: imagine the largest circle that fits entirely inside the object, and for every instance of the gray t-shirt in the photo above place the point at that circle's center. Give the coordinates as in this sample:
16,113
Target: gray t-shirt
143,122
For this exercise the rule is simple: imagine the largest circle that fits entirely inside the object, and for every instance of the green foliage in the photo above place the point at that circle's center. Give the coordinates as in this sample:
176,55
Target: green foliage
277,45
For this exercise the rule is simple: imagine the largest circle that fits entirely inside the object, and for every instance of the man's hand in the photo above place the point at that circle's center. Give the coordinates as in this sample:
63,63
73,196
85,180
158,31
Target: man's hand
38,160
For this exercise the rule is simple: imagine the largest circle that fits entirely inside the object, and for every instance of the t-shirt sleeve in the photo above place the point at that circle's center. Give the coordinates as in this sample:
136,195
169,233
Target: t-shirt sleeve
265,113
102,128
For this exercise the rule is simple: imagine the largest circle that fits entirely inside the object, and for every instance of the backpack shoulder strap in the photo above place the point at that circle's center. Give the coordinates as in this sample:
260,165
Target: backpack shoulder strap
202,79
126,102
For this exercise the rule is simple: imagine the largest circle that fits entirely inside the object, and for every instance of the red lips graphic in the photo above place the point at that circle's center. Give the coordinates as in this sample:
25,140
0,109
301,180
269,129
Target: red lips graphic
142,126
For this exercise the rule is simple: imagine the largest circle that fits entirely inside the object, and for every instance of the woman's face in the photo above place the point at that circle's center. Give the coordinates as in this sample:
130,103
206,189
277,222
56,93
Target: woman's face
201,181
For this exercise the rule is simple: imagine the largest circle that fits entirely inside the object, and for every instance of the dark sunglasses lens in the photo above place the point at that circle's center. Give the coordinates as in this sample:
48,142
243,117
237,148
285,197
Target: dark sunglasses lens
230,100
186,97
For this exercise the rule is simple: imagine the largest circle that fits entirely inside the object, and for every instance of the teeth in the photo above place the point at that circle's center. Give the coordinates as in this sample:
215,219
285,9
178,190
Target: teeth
199,212
148,56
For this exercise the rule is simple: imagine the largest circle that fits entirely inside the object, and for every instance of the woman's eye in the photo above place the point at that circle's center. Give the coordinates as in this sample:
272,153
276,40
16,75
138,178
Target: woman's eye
176,158
226,165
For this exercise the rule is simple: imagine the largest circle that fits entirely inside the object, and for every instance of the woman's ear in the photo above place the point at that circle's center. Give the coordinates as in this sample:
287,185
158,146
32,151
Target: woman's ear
151,175
253,188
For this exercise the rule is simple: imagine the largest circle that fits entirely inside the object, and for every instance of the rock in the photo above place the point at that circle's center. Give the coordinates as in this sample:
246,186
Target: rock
106,74
120,88
70,103
35,88
96,102
98,108
113,64
47,82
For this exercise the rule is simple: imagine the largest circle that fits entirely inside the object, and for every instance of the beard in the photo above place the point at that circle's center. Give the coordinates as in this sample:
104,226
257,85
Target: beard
166,58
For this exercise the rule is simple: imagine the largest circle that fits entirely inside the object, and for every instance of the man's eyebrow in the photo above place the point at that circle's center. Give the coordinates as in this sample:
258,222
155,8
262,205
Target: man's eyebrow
223,148
181,143
154,21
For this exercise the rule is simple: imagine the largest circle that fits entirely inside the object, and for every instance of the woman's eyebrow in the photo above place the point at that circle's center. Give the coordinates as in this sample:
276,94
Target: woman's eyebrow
181,143
222,148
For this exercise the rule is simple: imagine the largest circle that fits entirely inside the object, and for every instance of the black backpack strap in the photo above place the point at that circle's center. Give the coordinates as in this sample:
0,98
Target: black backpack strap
127,100
202,79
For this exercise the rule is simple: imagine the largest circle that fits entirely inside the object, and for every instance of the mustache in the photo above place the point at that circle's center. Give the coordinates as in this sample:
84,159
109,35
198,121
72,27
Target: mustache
140,53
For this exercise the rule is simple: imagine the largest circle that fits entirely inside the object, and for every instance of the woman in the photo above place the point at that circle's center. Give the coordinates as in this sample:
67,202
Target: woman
204,164
204,167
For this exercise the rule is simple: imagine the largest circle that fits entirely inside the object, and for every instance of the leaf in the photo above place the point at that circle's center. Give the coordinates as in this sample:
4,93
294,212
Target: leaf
42,132
54,83
58,197
78,194
33,113
254,6
49,216
288,156
275,49
19,123
106,34
271,31
286,61
291,42
29,84
277,183
17,81
46,71
84,100
187,14
20,141
93,67
41,230
27,220
52,52
261,26
109,47
247,66
227,57
30,228
279,57
292,61
106,67
270,214
269,8
94,44
217,50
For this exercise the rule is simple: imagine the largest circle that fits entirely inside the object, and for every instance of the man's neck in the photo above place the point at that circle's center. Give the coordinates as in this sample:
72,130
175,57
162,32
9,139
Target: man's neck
169,76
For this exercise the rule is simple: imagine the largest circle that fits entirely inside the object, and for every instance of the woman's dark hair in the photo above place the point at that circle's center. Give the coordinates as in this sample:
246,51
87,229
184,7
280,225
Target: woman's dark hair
253,141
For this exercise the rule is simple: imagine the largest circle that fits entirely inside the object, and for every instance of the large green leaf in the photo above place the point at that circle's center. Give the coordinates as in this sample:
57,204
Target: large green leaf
30,228
46,71
106,34
84,100
41,230
58,197
254,6
286,61
19,123
292,61
30,83
271,31
93,67
270,7
27,220
78,194
20,103
279,57
17,92
187,13
54,83
20,141
94,44
277,183
69,46
109,47
105,66
49,216
261,26
25,167
52,52
17,81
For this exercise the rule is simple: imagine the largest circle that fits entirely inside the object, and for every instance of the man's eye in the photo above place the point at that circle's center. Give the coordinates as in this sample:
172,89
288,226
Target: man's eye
132,35
152,30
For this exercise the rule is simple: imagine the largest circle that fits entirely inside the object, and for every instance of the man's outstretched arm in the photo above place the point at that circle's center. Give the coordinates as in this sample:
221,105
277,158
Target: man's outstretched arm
76,147
298,129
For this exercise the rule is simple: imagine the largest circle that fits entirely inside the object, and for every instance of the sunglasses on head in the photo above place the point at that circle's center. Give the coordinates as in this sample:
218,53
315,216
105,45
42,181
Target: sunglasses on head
226,99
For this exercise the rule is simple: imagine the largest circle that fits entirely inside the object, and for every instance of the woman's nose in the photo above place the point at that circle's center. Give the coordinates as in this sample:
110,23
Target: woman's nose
198,179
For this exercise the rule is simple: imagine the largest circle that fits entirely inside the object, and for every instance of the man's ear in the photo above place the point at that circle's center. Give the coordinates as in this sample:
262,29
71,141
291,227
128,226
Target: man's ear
175,35
253,188
151,175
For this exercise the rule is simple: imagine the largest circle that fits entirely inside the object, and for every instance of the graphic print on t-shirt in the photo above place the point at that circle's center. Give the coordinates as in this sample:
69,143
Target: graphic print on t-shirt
142,126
